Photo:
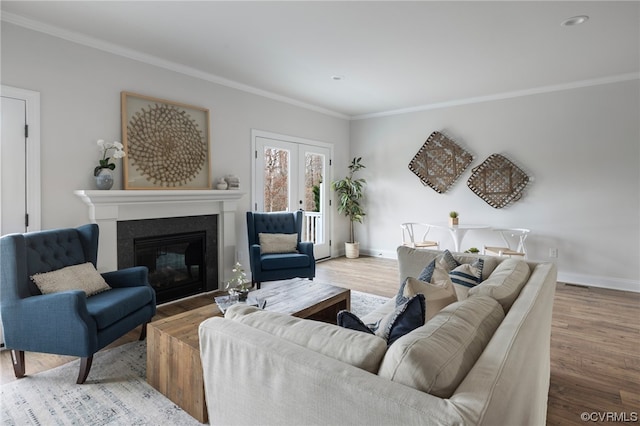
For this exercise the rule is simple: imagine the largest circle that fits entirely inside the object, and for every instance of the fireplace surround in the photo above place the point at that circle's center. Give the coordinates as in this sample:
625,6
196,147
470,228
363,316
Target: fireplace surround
109,208
180,253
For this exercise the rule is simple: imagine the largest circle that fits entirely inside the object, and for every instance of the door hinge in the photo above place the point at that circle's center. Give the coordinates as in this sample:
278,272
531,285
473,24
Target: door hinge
329,243
26,130
256,154
255,207
330,203
330,162
26,220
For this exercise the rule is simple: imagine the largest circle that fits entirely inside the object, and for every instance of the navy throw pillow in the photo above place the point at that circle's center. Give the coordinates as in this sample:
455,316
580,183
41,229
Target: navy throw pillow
350,320
404,319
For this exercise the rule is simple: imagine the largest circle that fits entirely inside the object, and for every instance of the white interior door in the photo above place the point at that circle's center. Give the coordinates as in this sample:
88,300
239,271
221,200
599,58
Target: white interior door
13,167
290,175
19,160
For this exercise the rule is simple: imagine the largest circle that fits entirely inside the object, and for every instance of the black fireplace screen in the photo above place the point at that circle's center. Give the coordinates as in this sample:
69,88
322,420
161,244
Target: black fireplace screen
176,263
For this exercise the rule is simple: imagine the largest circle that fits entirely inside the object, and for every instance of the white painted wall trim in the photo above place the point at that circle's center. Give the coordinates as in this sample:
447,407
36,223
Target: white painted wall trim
506,95
32,100
601,282
192,72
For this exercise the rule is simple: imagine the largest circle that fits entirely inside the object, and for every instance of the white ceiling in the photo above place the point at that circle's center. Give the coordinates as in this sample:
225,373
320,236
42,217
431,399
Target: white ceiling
393,55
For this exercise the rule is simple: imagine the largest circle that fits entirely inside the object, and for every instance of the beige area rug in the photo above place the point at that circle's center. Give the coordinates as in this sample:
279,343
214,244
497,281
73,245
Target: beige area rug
115,393
363,303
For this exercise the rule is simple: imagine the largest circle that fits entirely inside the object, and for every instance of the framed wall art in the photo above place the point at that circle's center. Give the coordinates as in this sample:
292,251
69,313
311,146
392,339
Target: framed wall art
167,144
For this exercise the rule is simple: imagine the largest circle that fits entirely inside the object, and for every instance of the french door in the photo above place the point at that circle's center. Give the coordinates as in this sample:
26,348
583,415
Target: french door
293,174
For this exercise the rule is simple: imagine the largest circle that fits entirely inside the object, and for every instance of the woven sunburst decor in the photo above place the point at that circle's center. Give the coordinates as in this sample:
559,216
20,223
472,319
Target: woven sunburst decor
166,145
498,181
439,162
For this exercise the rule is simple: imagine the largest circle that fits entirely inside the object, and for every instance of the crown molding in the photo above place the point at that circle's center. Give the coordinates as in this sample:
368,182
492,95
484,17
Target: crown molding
212,78
155,61
505,95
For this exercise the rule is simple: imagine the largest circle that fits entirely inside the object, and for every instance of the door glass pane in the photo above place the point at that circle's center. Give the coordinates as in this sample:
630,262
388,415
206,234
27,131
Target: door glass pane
313,182
276,179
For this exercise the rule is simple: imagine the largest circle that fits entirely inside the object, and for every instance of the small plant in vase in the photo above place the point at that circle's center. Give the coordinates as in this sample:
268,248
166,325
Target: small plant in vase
473,250
238,283
453,218
102,172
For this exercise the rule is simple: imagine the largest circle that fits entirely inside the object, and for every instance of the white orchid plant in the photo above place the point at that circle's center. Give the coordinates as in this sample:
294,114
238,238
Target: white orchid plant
239,278
105,148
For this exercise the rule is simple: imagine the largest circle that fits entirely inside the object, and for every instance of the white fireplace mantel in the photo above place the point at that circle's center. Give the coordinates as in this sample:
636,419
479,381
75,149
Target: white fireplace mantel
106,208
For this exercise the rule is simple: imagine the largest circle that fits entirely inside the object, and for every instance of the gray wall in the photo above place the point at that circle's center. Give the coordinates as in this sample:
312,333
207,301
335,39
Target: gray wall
580,146
80,103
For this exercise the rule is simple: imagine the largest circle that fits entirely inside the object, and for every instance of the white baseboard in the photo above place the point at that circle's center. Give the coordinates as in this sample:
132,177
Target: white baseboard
601,282
385,254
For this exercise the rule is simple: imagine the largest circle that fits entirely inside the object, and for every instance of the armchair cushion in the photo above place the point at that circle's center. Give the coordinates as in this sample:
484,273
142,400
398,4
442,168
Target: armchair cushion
77,277
110,307
271,262
278,243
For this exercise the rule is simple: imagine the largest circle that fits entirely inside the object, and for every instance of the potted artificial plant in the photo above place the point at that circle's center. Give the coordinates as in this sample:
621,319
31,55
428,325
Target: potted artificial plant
453,218
350,191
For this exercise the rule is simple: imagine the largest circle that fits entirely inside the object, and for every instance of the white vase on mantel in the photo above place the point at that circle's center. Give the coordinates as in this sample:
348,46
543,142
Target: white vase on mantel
222,184
104,179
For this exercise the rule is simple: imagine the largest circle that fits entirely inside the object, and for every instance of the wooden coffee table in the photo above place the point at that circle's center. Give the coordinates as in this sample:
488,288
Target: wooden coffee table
173,344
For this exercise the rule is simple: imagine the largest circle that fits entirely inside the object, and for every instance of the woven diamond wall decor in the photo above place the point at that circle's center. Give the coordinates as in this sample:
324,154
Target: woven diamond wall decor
498,181
439,162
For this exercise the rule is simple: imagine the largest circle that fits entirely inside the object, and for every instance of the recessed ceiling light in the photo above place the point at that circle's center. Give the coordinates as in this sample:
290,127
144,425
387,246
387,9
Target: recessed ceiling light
576,20
337,77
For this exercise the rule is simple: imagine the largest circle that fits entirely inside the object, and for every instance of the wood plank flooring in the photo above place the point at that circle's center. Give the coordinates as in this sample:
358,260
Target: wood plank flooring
595,340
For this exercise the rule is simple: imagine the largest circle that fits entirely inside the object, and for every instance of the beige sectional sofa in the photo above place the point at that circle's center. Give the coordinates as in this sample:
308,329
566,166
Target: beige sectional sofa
483,360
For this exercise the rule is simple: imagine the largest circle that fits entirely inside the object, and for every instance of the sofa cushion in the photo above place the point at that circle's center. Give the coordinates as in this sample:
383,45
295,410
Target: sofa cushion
278,243
361,350
77,277
436,357
111,306
406,317
437,294
505,282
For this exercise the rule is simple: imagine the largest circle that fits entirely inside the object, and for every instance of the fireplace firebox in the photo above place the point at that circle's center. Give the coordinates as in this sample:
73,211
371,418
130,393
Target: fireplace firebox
180,253
175,263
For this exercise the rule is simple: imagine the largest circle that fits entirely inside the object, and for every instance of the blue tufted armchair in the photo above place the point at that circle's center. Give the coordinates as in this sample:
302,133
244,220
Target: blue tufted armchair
278,266
68,322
